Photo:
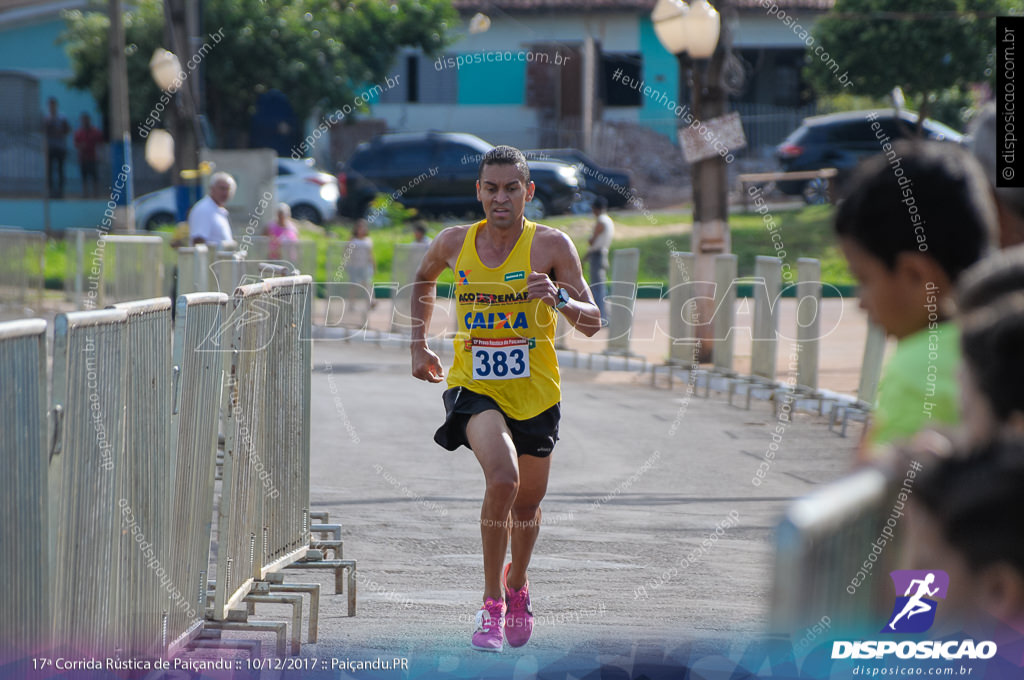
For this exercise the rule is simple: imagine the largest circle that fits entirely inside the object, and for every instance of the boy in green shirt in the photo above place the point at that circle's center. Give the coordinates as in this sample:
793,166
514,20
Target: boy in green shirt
915,217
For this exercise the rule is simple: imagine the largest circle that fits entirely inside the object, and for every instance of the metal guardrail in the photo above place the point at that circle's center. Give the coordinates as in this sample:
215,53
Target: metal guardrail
305,257
194,270
867,387
286,522
300,254
194,420
351,304
75,272
406,261
23,272
146,586
240,535
90,359
132,268
24,533
821,543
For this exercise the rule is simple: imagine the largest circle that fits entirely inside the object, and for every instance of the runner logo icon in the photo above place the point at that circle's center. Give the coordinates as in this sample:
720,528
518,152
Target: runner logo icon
914,610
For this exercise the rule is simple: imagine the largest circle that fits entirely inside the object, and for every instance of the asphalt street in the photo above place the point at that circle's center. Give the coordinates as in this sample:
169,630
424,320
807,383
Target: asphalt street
654,532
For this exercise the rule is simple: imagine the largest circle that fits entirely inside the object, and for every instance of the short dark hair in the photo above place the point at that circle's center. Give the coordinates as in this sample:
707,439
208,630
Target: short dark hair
920,197
984,144
994,276
420,226
600,202
991,339
506,155
974,497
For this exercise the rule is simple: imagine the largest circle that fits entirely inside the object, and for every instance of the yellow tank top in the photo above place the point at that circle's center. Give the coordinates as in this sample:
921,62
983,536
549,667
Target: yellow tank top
504,343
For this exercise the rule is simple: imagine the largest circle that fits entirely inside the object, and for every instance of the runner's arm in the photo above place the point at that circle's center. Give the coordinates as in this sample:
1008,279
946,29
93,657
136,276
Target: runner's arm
581,311
425,364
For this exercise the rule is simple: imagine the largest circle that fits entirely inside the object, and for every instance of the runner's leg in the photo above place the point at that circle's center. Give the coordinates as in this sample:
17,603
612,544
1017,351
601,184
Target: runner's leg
491,441
526,514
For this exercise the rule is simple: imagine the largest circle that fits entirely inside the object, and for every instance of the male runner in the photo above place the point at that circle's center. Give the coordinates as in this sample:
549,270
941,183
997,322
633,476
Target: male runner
503,390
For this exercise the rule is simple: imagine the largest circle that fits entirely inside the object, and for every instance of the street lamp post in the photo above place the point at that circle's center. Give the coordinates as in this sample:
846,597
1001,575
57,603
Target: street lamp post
695,33
122,180
165,67
179,21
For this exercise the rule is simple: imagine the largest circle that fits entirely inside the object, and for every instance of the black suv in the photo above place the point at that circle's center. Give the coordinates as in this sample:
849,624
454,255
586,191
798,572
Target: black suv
436,173
841,140
612,183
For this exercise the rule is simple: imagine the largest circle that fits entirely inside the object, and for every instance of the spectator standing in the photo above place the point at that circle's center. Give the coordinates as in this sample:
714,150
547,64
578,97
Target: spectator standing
87,138
1009,200
361,264
419,232
57,129
208,219
597,256
283,230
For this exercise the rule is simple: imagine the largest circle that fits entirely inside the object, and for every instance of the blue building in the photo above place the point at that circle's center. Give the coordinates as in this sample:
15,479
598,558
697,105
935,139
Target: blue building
544,72
33,68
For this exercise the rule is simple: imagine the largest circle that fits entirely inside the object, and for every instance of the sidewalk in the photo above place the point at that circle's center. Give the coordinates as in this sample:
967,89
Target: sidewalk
843,326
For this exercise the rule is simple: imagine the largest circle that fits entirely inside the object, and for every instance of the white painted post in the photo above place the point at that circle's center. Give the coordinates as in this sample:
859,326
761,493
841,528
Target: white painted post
682,309
764,346
726,267
808,322
871,367
621,299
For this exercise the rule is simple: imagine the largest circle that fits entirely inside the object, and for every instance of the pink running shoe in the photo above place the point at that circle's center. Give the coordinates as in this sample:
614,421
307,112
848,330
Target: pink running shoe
489,620
519,620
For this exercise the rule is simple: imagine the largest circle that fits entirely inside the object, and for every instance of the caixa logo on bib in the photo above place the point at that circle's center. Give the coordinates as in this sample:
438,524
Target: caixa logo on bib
918,592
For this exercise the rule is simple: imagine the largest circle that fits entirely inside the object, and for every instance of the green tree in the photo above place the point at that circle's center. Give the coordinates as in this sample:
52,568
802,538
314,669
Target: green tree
926,47
320,53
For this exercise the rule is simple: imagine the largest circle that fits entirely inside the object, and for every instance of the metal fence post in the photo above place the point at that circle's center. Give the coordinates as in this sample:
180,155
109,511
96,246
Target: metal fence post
24,532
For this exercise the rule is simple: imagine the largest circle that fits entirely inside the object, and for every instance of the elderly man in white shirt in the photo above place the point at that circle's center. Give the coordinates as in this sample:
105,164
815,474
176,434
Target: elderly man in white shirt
208,220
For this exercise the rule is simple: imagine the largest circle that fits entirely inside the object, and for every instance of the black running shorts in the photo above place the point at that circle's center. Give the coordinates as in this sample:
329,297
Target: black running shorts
532,437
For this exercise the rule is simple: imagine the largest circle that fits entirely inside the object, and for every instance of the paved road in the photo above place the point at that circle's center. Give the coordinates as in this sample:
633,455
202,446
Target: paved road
640,478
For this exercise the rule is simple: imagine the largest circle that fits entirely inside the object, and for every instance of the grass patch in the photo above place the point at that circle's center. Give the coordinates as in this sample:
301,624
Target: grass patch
805,232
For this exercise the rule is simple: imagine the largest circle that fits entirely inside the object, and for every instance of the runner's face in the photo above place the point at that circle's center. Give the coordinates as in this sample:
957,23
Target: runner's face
503,194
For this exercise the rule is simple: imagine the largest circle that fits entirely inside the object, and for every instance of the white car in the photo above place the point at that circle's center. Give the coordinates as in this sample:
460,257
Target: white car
311,194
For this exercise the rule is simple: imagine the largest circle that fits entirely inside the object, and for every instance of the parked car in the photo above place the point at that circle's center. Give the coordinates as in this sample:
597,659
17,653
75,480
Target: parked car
612,183
311,193
841,140
436,173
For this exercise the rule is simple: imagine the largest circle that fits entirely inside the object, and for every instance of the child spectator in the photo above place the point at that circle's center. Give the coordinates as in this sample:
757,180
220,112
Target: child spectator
361,264
419,232
1000,273
1009,200
992,340
283,230
966,517
915,218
